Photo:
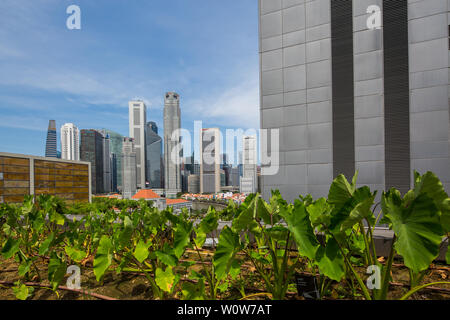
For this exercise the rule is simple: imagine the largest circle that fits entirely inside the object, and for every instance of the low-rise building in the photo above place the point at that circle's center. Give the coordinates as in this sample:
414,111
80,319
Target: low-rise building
22,175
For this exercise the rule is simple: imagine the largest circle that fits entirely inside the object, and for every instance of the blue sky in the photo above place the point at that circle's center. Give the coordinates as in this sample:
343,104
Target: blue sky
206,50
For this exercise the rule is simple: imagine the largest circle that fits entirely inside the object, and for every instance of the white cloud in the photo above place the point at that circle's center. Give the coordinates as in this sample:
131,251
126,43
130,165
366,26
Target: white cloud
237,106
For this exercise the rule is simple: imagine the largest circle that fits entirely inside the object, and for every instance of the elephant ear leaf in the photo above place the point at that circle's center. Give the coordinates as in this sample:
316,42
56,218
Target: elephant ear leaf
182,237
229,245
430,185
103,258
341,190
300,226
56,271
165,279
330,260
417,228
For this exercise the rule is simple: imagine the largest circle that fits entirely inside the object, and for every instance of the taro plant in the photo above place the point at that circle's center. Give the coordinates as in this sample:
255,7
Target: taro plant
225,265
418,221
270,257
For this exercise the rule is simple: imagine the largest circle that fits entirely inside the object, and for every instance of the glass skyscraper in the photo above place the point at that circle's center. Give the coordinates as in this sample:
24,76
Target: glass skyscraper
50,146
154,153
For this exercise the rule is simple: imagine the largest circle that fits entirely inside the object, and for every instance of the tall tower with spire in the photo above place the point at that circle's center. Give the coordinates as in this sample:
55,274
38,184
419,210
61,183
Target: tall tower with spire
50,145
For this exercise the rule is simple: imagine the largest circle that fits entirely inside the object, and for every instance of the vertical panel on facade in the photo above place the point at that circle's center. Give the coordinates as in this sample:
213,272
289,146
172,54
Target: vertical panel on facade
396,88
343,87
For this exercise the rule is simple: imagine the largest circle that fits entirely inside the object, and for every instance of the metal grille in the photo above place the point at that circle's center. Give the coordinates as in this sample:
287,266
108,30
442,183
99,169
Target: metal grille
396,88
343,87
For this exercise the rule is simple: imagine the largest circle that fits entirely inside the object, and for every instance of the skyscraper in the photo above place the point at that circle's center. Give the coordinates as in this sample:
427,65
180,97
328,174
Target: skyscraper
349,95
137,123
249,180
107,178
172,122
116,141
50,145
128,168
154,154
210,160
70,142
92,151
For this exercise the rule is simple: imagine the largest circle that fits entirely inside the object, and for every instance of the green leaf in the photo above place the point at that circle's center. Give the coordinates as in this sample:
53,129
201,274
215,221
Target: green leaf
167,258
182,237
10,248
200,238
103,257
300,226
277,233
165,279
56,271
246,219
74,253
24,267
417,227
193,291
127,231
445,215
229,245
141,251
43,249
263,211
209,223
21,291
361,211
319,212
330,260
341,190
430,185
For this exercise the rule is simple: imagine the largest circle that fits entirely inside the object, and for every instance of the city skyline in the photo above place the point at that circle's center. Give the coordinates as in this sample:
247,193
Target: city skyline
90,75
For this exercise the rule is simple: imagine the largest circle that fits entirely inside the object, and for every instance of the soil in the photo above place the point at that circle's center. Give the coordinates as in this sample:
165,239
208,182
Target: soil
131,286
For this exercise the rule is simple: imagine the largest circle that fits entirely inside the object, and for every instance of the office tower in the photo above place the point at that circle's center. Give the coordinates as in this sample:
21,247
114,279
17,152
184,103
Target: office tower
193,183
129,171
114,172
249,182
91,150
153,153
70,142
226,167
210,160
152,126
349,96
235,178
116,141
184,180
107,174
50,145
137,123
172,122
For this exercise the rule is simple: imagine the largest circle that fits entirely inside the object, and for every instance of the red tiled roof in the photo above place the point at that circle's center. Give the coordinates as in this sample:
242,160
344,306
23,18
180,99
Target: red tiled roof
175,201
145,194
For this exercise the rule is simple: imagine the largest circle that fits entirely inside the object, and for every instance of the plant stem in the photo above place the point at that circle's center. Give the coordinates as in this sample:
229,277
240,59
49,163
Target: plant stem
414,290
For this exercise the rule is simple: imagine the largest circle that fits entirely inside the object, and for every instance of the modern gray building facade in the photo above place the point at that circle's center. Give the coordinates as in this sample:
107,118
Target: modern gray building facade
91,150
347,94
172,122
116,141
137,122
153,156
210,160
129,169
50,144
